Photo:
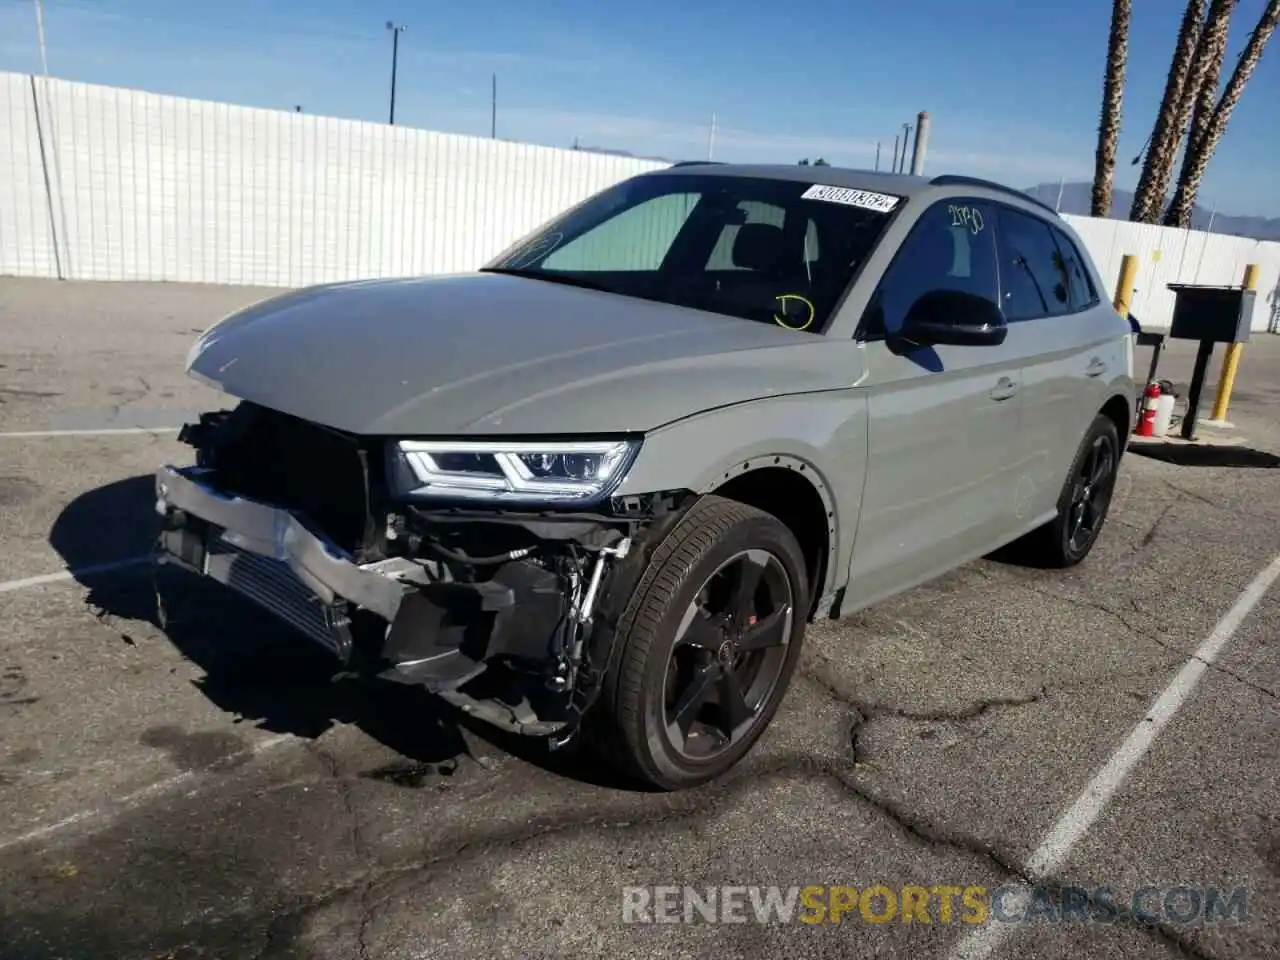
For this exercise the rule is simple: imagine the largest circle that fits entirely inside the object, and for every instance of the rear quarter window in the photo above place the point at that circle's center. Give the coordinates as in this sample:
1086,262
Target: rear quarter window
1034,279
1083,294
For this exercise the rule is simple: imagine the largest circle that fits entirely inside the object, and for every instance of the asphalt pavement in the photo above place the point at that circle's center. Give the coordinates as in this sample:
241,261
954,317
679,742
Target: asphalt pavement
180,777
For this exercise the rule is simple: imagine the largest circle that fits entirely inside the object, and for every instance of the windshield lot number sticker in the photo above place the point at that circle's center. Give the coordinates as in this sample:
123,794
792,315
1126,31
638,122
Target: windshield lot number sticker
866,199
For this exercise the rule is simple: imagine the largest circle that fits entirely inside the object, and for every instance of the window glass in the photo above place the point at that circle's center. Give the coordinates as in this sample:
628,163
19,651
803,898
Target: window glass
1083,295
1033,274
722,255
769,250
636,239
951,247
753,212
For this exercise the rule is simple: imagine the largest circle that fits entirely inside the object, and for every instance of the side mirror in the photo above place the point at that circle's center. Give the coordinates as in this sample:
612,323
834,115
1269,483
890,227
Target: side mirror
953,318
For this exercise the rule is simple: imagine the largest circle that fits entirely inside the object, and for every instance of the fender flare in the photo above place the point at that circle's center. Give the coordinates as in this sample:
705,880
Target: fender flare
805,469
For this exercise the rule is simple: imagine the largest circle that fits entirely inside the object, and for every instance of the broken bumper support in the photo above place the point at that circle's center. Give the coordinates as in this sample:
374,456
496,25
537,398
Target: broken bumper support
270,556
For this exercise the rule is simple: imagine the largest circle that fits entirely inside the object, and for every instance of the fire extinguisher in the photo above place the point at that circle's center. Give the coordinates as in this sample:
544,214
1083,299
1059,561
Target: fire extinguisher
1147,419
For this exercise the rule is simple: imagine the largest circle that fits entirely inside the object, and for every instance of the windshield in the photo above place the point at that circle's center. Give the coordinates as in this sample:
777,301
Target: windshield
772,251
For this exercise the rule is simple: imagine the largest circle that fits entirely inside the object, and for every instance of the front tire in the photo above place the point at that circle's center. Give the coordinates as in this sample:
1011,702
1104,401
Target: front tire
707,647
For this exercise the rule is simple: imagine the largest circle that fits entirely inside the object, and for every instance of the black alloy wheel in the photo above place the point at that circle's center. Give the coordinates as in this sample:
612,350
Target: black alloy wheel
1091,494
728,655
1083,503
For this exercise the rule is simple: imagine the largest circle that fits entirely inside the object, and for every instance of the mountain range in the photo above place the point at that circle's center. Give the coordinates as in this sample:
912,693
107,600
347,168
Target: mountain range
1077,198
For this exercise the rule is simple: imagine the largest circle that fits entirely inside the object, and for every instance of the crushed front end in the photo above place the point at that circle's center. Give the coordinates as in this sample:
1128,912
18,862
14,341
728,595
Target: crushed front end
481,571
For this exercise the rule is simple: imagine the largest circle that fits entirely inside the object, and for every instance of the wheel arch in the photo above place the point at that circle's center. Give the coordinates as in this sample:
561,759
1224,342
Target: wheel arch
1120,411
792,490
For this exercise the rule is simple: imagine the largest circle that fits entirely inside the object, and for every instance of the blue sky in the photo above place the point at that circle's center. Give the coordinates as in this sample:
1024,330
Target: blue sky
1013,89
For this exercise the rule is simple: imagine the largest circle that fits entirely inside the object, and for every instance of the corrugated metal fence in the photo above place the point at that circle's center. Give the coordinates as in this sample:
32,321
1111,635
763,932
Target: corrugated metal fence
102,183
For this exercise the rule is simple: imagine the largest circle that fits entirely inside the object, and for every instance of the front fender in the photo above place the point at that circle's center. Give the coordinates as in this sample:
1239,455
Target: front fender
821,436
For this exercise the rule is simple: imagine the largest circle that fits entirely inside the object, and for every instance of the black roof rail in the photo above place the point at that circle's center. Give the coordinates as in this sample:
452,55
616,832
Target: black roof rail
699,163
956,180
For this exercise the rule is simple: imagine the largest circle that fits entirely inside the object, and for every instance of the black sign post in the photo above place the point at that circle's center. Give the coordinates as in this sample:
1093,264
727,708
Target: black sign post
1203,356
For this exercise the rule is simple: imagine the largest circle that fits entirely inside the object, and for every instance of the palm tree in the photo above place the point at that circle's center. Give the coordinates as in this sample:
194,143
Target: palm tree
1212,120
1148,200
1104,170
1202,79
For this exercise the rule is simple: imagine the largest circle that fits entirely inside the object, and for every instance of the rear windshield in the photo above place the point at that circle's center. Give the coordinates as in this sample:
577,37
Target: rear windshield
772,251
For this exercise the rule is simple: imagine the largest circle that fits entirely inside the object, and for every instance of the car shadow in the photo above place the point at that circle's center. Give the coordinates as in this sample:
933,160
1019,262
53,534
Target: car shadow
258,669
1206,455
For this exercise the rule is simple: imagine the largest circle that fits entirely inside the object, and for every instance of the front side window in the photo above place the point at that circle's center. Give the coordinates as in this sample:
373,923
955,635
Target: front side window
772,251
950,248
1034,276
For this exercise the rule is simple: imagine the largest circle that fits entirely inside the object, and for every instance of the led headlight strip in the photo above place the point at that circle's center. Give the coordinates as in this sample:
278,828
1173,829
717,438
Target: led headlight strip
530,471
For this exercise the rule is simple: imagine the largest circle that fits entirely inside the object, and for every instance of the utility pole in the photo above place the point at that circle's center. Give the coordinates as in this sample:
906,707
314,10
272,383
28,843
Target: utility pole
1057,204
711,140
906,136
922,140
877,155
396,29
493,110
44,60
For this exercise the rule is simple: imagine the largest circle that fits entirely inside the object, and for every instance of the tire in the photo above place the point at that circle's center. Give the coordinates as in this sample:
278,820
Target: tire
674,642
1058,544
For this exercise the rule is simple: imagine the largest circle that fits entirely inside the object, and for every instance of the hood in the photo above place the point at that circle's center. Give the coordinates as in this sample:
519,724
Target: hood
487,354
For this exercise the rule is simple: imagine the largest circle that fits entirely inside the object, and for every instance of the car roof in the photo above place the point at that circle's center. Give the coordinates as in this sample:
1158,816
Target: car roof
898,184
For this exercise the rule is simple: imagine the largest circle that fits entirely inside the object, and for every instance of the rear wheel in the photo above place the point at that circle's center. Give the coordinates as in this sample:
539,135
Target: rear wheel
1082,504
708,647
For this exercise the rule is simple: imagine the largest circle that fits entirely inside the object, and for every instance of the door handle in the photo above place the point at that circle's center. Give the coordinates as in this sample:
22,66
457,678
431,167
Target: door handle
1004,389
1096,368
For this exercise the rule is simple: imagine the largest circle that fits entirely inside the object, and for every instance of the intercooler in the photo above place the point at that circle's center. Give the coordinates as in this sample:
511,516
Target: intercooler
277,588
267,582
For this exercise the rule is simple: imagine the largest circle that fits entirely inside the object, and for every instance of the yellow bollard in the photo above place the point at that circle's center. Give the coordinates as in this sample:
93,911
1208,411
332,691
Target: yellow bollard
1227,378
1124,285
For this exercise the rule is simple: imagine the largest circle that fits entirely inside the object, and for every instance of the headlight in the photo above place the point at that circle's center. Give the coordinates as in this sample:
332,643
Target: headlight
527,472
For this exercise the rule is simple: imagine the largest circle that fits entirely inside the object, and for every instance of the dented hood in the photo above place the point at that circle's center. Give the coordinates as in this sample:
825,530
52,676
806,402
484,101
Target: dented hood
485,354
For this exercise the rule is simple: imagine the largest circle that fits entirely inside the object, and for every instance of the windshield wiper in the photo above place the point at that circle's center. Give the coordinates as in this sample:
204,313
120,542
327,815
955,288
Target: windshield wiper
567,279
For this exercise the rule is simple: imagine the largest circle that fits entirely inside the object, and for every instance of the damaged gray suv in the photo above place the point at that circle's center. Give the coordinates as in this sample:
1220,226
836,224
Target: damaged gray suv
598,488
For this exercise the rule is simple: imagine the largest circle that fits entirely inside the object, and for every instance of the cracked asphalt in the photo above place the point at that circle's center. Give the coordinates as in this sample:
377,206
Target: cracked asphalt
180,778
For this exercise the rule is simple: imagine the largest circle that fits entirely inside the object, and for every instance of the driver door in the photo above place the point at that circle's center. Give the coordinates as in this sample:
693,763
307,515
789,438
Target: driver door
943,420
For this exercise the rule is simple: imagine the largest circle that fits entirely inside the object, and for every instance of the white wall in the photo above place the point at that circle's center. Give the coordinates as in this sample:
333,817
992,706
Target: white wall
1168,255
148,187
102,183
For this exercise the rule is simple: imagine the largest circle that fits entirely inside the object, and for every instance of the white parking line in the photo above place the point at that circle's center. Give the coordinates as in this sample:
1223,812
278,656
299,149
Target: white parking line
8,586
101,431
982,941
113,810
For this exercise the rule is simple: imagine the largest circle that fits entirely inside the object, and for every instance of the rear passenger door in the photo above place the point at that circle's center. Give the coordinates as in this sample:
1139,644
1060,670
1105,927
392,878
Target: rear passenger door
943,420
1051,306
